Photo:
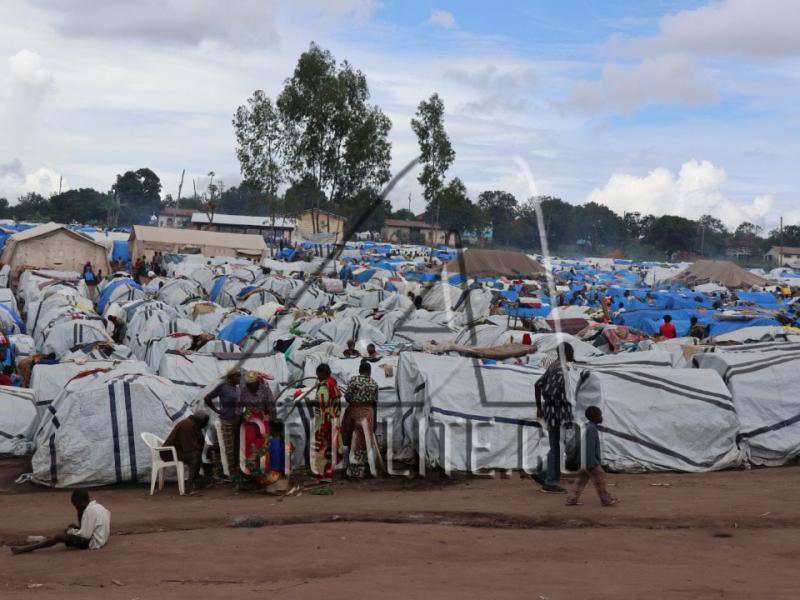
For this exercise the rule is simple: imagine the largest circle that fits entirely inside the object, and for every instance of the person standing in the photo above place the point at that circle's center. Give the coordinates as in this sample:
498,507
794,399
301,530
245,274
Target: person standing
227,393
359,419
188,440
554,408
593,468
258,414
91,534
327,436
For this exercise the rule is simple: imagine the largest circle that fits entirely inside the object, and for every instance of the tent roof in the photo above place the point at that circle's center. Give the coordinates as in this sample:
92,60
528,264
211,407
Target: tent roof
201,218
494,263
192,237
723,272
47,229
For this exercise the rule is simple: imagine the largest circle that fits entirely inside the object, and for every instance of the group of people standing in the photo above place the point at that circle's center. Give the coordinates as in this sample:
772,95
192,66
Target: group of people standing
251,436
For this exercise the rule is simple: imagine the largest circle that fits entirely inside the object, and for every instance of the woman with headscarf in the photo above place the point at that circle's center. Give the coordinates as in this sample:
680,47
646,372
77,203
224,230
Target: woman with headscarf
327,436
257,411
359,419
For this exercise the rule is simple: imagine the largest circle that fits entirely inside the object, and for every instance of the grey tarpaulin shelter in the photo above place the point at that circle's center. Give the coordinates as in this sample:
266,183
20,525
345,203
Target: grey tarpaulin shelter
657,420
765,387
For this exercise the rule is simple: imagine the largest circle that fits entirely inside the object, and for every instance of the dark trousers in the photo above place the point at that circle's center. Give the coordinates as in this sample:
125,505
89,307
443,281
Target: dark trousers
550,472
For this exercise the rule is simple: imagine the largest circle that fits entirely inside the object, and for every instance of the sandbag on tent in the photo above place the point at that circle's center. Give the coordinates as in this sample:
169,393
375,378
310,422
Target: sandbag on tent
62,337
92,435
654,420
206,315
339,331
765,387
17,421
459,414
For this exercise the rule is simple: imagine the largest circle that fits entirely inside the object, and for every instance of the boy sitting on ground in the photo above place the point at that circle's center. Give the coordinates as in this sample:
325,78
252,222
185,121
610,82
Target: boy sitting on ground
95,526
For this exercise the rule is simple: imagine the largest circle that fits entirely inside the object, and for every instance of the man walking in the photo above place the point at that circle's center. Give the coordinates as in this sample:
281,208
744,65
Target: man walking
553,407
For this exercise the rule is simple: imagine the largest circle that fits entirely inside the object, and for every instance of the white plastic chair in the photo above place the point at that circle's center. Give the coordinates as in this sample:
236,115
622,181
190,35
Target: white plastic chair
156,445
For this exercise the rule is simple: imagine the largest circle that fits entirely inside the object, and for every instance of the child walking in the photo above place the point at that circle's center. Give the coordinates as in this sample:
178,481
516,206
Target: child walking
593,469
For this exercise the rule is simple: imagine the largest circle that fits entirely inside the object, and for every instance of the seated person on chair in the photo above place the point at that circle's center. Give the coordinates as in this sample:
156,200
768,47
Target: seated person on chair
188,440
95,525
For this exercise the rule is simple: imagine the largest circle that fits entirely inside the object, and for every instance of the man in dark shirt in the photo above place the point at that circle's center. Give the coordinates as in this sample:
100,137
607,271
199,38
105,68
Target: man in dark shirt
696,330
228,394
593,468
188,440
553,407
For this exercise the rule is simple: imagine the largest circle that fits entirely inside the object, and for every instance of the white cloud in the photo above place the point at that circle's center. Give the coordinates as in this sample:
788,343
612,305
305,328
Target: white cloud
696,190
668,79
442,18
15,182
732,27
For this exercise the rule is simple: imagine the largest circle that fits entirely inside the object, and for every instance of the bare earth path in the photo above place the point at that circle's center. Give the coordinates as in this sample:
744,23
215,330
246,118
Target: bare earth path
718,535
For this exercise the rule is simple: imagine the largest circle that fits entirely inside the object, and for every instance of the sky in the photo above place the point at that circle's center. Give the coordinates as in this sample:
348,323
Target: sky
663,107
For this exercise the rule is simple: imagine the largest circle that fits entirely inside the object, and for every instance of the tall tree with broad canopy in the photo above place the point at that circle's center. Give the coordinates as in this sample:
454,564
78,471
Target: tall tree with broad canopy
499,209
139,194
331,135
436,152
458,213
259,148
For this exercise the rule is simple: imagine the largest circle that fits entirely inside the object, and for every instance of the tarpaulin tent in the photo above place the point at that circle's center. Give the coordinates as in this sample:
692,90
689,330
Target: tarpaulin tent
494,263
92,434
765,387
654,420
17,420
53,246
723,272
460,414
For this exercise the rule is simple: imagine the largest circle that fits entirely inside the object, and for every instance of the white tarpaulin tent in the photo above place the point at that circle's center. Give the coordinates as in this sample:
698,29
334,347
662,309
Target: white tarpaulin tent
654,420
459,414
92,435
17,420
765,386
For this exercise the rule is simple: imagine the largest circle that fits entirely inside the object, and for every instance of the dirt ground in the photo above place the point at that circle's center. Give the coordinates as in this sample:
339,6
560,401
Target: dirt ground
717,535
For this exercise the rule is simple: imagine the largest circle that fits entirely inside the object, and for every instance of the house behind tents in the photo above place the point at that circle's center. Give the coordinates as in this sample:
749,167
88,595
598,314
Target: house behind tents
54,247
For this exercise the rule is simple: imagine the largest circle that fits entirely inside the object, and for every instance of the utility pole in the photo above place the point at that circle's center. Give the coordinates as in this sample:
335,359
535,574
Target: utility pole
703,239
780,249
60,179
180,185
409,202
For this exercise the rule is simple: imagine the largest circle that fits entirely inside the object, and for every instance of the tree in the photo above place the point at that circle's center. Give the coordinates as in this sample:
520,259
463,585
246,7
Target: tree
458,213
499,209
5,209
747,231
32,207
210,201
331,136
597,223
436,152
259,148
366,212
404,214
84,205
712,235
304,195
139,194
672,234
244,199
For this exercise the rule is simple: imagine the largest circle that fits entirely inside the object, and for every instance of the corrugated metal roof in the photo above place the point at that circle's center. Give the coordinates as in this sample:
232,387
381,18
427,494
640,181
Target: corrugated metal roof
243,220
